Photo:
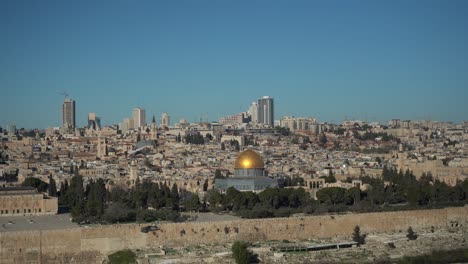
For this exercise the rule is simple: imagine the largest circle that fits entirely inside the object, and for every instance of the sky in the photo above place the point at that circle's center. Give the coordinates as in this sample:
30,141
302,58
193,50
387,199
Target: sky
370,60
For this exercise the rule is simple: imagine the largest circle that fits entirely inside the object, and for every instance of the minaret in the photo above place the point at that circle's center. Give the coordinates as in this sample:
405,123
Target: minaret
101,148
154,131
401,154
133,171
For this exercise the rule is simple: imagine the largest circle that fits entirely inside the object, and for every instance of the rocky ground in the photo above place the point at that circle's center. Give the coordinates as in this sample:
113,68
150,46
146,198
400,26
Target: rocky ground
379,247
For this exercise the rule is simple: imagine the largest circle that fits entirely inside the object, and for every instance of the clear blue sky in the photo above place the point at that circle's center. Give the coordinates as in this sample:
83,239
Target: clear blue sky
372,59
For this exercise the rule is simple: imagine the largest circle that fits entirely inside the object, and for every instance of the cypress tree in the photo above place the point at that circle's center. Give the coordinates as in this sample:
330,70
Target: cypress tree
52,187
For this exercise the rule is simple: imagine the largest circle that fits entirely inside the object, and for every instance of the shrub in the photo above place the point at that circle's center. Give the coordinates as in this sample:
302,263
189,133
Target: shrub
123,257
241,253
357,237
411,235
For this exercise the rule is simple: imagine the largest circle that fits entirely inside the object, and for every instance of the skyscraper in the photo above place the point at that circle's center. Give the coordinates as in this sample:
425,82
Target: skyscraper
68,113
94,122
139,117
253,112
266,111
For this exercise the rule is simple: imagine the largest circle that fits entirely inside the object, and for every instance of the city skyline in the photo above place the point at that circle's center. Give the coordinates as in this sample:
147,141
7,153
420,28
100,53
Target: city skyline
365,60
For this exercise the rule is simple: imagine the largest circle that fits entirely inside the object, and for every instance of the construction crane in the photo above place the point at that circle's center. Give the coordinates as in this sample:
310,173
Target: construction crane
65,94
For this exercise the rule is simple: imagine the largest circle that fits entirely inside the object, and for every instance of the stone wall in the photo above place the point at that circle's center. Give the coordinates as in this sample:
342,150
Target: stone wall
91,245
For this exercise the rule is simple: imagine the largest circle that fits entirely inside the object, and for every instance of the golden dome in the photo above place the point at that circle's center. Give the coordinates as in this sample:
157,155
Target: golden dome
249,159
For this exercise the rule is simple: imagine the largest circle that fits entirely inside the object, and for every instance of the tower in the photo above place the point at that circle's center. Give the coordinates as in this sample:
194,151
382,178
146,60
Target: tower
133,171
253,111
68,113
139,117
102,147
266,111
154,131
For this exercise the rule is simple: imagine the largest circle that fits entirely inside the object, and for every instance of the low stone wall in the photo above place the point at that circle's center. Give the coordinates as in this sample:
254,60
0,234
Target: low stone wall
91,245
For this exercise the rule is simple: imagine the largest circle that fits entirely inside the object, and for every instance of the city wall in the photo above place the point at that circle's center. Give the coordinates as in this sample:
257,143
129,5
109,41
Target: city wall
91,245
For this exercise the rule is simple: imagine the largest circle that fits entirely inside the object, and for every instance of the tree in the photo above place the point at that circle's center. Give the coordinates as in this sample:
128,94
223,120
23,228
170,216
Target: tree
192,203
218,174
96,198
357,237
75,195
52,187
353,196
205,185
223,146
411,235
215,200
331,195
331,177
241,253
41,186
323,139
175,197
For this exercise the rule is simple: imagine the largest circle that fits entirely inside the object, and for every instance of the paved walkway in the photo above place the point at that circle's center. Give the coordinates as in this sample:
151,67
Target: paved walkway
44,222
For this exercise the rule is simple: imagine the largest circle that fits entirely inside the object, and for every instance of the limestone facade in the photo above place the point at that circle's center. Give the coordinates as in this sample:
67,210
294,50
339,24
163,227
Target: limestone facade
26,201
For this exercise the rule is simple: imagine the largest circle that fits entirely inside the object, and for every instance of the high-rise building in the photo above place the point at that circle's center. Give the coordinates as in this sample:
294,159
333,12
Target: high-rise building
253,112
11,129
165,120
94,122
139,117
266,111
127,125
68,113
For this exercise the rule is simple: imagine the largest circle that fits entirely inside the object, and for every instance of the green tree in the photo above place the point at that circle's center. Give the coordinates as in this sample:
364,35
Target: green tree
96,198
357,237
192,203
218,174
215,200
175,197
205,185
40,185
331,195
75,196
331,177
353,196
52,187
241,253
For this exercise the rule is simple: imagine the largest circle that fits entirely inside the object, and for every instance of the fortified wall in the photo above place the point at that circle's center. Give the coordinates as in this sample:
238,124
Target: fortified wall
91,245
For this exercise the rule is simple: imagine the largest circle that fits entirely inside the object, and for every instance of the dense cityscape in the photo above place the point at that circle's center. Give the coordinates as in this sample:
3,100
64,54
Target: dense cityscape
266,131
247,165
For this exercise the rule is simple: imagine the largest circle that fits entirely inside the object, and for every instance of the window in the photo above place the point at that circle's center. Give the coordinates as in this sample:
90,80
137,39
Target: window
40,210
6,211
2,211
17,211
29,210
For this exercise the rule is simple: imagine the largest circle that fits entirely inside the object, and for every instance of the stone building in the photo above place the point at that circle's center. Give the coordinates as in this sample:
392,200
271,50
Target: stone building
26,201
249,174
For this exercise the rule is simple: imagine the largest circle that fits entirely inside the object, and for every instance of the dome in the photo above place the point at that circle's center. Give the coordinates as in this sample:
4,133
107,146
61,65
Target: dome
249,159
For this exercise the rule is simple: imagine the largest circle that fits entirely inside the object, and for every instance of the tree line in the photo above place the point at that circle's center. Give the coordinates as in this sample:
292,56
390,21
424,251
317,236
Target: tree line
145,202
148,201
